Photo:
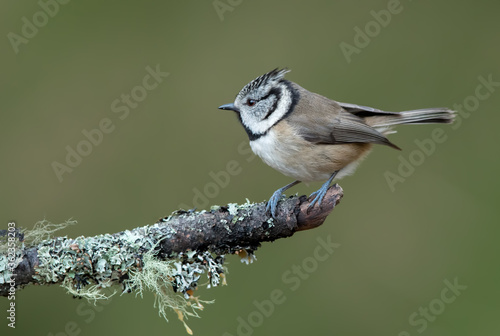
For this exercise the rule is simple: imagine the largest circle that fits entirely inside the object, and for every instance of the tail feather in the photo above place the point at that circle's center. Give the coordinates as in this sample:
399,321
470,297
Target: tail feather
436,115
383,121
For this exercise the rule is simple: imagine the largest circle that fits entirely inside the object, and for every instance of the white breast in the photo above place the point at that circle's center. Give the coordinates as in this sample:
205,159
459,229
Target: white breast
287,157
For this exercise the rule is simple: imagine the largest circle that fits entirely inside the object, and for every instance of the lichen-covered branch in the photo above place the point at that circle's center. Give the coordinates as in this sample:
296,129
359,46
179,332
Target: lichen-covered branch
190,243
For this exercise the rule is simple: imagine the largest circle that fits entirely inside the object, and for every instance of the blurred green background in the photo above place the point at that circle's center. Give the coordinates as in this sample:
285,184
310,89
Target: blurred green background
397,247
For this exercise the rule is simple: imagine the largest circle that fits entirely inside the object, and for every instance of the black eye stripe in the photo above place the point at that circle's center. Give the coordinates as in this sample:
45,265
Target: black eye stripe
274,92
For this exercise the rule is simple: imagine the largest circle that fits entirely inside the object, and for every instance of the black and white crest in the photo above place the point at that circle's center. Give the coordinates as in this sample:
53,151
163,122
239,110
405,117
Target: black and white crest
270,78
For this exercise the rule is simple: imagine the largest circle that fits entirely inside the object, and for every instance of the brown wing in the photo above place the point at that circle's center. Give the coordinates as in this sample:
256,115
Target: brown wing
323,121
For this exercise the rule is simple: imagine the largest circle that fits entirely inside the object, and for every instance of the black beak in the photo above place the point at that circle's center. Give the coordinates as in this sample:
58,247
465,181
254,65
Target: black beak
229,107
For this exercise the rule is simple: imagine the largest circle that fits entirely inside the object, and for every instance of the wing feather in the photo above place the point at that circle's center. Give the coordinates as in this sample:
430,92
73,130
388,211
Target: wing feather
324,121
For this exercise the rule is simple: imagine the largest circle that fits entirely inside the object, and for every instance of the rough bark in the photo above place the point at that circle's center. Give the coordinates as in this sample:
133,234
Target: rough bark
222,230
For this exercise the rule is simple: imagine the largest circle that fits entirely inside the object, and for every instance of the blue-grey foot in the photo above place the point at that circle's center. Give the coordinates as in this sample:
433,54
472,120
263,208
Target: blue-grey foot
276,197
320,194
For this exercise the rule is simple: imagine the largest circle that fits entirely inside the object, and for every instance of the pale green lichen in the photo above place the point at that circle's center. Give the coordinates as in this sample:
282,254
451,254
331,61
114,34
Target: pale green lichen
86,265
6,271
233,208
165,278
44,230
91,293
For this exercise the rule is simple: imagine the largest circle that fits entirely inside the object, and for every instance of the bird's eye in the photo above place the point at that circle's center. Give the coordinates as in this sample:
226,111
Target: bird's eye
251,102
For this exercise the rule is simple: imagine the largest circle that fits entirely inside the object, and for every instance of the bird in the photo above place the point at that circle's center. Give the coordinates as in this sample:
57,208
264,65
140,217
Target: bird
309,137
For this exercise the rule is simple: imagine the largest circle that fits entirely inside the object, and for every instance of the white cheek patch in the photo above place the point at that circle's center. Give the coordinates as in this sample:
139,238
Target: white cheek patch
262,126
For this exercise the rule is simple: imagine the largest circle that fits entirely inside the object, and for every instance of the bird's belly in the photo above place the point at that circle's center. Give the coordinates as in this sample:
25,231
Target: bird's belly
292,158
305,161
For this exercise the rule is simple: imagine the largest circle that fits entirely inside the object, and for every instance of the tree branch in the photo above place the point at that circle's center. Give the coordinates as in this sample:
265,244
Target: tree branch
196,240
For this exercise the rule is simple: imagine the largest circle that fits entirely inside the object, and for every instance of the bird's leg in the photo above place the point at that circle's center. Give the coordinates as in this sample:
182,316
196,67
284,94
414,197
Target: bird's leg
273,201
321,191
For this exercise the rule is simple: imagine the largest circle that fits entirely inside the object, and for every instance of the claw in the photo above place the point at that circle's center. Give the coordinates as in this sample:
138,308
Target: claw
272,204
320,193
